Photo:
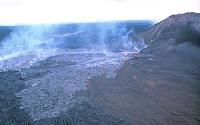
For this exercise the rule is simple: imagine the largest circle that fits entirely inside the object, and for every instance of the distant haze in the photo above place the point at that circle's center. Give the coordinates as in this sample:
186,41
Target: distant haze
64,11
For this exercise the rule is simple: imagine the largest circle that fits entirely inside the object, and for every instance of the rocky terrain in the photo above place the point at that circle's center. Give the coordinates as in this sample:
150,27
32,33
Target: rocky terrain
158,86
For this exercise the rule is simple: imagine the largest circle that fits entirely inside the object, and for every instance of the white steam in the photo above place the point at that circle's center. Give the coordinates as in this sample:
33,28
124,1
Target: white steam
29,44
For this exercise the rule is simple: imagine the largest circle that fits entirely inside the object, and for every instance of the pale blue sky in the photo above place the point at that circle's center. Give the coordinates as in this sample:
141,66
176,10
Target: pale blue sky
56,11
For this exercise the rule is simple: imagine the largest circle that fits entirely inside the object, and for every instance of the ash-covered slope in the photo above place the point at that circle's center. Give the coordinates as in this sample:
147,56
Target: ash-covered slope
175,40
177,37
181,27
